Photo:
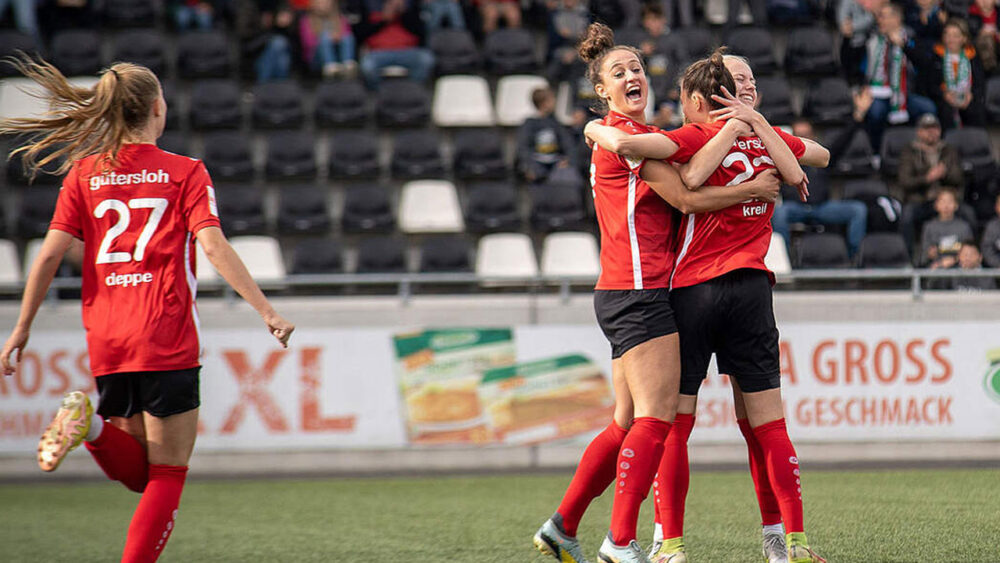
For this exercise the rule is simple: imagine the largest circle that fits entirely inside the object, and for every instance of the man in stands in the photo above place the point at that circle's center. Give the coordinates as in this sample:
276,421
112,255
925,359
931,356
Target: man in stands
392,31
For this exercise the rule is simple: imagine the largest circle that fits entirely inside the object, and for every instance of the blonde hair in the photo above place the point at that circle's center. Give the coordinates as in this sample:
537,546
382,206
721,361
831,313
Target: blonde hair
82,121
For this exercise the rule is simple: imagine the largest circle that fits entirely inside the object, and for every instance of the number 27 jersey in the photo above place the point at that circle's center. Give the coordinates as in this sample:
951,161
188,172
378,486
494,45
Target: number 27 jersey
138,223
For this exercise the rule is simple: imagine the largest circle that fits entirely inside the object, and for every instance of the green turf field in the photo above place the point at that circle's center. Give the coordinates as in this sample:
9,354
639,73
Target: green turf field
875,516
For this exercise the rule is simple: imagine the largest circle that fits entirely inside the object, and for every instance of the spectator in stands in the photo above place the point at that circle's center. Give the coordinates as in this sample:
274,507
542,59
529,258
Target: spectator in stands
963,80
491,11
25,16
610,12
942,237
264,29
542,142
820,208
758,11
437,12
970,259
926,18
194,14
991,240
856,20
568,19
392,31
888,76
983,26
327,41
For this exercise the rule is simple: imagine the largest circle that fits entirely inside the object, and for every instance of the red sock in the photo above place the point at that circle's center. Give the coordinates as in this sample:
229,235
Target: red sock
594,473
670,487
154,517
770,512
637,462
121,456
783,470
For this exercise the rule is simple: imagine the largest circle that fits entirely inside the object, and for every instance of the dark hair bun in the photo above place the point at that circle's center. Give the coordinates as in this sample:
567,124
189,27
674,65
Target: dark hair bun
717,65
599,38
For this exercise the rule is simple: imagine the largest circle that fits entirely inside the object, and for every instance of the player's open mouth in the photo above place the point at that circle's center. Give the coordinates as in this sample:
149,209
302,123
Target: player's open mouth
633,94
747,99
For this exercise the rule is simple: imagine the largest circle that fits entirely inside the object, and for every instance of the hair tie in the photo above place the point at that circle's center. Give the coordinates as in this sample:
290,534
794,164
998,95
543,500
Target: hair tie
114,72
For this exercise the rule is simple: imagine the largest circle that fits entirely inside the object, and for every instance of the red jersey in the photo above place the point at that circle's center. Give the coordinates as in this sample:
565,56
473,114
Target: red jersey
637,234
138,223
717,242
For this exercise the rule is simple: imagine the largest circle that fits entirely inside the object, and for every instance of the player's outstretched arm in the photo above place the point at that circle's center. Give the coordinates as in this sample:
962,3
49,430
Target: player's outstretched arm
709,157
666,181
816,155
221,254
42,271
643,145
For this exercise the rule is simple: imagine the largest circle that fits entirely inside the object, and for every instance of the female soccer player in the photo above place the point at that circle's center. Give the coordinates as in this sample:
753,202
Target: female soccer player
632,305
720,287
137,210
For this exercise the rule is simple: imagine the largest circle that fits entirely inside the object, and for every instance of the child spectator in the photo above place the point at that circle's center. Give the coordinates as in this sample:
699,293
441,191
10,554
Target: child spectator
970,259
983,26
437,12
957,73
542,142
327,42
392,31
943,236
991,240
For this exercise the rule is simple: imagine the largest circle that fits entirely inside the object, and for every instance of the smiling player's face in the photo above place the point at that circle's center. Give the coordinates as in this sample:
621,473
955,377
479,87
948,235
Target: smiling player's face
624,84
746,84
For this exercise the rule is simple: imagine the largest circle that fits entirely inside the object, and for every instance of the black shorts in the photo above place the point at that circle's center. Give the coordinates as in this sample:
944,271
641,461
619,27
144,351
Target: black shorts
731,316
160,393
630,317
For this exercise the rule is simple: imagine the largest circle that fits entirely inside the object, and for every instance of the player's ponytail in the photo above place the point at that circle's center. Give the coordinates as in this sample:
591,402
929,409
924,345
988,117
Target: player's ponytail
708,76
82,121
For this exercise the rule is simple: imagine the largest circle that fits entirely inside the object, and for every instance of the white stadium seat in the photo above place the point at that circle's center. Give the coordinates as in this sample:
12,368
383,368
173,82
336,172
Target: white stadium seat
777,259
506,254
570,254
514,98
462,101
10,266
430,206
262,256
31,250
16,99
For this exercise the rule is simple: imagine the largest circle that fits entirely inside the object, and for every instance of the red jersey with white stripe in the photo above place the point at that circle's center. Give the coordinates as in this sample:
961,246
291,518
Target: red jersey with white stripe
717,242
637,226
138,223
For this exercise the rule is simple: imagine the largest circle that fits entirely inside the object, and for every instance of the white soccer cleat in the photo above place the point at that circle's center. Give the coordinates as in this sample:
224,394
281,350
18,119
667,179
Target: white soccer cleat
551,541
775,550
611,553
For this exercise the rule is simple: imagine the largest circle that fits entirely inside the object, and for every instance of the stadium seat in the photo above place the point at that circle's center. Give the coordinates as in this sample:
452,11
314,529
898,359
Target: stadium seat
175,111
353,154
278,105
455,52
417,154
16,99
10,265
893,142
381,255
204,270
810,52
216,104
430,206
570,254
317,255
241,209
302,209
175,142
857,159
262,256
511,51
974,149
557,204
16,173
506,254
12,41
204,54
883,250
822,250
227,156
479,155
342,103
130,13
514,98
828,102
367,210
291,155
687,44
445,254
757,45
775,100
776,258
37,206
142,46
993,99
76,52
492,207
865,190
631,36
462,101
402,103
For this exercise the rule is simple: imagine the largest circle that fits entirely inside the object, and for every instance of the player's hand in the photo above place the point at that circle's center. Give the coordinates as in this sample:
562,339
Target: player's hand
734,108
765,187
803,188
280,328
16,343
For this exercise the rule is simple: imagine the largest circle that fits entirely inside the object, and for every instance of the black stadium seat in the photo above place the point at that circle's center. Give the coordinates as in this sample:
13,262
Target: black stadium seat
142,46
175,111
829,102
241,209
216,104
291,155
455,52
367,210
204,54
893,141
16,173
381,255
810,52
417,154
12,41
822,250
37,206
557,204
278,105
883,250
631,36
492,207
993,99
511,51
76,52
687,44
403,103
342,104
176,142
857,159
757,45
445,254
303,209
317,255
775,100
227,156
353,154
865,190
974,149
479,155
130,13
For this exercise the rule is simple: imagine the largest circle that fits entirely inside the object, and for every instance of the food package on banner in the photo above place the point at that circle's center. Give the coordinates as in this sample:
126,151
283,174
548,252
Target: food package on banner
439,373
546,400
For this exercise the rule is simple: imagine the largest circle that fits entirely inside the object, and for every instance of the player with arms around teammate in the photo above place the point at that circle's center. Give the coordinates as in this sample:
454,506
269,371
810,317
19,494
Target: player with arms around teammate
721,290
138,211
632,305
